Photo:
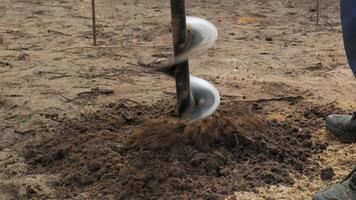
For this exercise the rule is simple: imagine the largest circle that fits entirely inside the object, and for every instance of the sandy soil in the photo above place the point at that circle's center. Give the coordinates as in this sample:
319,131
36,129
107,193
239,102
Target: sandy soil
67,112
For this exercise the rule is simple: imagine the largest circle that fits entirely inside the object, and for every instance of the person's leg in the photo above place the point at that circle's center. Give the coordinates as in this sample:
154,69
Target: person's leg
344,126
348,21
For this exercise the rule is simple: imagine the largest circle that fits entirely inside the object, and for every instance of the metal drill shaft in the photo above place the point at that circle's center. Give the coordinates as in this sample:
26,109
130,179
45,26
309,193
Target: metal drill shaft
179,30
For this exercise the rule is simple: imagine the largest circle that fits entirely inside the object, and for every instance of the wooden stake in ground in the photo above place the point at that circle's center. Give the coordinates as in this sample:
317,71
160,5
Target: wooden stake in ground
317,12
179,30
94,21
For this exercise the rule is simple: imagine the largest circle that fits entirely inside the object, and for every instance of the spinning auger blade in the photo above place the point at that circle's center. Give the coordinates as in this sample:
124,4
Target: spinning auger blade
202,35
196,97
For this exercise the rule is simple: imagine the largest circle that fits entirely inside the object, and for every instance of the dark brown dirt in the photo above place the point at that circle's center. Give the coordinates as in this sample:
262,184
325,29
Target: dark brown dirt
235,150
327,173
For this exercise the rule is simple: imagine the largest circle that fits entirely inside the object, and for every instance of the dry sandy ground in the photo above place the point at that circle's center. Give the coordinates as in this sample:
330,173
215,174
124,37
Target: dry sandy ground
280,53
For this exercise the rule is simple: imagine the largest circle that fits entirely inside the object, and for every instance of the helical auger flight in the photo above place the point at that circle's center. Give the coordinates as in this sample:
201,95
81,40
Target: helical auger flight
202,35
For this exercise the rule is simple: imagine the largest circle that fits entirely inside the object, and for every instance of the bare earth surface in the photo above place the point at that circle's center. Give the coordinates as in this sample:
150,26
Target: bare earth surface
69,112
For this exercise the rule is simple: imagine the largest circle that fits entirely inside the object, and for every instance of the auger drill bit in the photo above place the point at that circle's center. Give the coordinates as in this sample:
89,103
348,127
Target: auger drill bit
204,98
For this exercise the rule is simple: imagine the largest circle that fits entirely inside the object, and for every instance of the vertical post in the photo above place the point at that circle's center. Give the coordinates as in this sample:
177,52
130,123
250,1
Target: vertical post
317,12
94,21
179,30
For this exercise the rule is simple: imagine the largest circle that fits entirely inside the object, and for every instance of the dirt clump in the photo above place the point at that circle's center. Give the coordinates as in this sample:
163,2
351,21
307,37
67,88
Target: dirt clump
225,128
327,173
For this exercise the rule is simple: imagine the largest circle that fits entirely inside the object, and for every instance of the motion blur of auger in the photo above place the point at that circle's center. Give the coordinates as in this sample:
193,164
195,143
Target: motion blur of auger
196,98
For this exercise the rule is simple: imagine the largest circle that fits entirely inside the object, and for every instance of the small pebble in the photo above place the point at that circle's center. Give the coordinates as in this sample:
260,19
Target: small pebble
94,166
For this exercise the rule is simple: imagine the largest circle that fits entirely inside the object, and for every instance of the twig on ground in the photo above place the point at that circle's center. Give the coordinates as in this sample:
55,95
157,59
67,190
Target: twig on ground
97,91
12,107
14,95
69,100
108,47
286,98
58,32
24,132
17,49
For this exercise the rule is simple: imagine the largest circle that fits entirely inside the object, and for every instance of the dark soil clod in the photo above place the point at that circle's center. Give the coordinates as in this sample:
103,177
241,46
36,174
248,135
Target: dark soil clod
327,173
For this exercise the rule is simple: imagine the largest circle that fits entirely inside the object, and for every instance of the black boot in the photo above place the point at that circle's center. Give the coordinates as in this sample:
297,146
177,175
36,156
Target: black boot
346,190
342,126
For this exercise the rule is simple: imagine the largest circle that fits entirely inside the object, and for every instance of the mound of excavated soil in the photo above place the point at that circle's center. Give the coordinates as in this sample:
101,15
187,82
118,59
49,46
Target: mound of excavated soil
117,153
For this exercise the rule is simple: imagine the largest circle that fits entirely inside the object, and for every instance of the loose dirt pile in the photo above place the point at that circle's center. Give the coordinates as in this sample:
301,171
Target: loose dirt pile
58,101
238,149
